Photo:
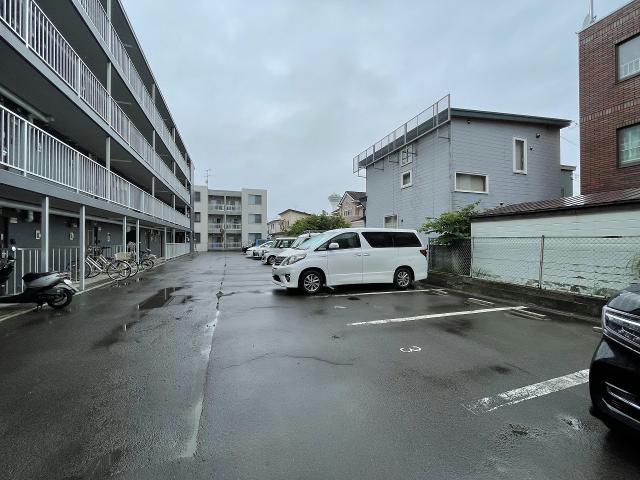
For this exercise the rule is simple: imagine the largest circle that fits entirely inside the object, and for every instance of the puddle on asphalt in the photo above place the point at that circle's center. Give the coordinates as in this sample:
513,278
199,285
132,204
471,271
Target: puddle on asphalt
164,297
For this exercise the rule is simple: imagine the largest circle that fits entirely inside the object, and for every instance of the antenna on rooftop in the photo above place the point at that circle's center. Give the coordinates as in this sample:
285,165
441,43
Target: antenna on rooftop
591,17
207,174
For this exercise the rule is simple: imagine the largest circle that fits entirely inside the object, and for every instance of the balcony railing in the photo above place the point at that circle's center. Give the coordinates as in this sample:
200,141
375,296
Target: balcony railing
233,226
173,250
33,152
32,25
215,227
233,208
233,244
218,207
107,32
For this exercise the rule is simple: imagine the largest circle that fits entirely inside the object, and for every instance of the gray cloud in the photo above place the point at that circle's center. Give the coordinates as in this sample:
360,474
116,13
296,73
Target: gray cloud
282,94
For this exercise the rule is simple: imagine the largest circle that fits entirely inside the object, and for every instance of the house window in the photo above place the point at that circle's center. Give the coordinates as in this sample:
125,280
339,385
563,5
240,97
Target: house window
197,196
196,237
255,199
472,183
391,221
255,218
629,145
628,58
406,179
520,155
196,217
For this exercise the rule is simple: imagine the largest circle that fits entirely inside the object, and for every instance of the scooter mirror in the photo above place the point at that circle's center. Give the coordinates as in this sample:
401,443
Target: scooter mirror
13,248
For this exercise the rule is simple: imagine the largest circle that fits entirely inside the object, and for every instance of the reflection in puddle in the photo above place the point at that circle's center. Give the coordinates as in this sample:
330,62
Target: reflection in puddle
162,298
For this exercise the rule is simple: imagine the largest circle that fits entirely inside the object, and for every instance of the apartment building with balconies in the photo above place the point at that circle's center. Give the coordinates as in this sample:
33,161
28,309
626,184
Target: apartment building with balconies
228,219
89,149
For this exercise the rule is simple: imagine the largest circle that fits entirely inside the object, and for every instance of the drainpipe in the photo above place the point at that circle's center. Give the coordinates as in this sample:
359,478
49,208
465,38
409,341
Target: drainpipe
44,234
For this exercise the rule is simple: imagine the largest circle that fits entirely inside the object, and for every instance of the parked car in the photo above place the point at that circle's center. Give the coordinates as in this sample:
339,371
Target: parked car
250,251
287,251
270,253
353,256
614,376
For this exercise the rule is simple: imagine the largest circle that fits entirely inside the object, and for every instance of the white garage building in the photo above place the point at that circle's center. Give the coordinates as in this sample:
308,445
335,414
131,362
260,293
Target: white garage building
587,244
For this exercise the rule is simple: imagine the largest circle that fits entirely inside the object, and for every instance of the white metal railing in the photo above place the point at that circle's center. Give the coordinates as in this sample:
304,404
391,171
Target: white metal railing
217,207
41,36
233,208
233,226
107,32
214,227
12,12
233,244
32,151
28,260
173,250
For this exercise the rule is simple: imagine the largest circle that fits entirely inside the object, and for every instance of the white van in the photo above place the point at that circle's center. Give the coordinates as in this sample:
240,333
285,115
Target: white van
351,256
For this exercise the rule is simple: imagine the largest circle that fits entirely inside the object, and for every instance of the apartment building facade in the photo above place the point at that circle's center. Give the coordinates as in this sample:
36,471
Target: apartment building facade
446,158
228,219
90,152
609,68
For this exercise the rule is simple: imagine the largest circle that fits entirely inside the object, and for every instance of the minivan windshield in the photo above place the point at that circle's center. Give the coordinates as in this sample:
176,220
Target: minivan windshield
315,242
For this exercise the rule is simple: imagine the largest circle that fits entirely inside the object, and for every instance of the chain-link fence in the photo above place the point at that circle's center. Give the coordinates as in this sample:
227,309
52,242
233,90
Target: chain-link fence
452,258
596,266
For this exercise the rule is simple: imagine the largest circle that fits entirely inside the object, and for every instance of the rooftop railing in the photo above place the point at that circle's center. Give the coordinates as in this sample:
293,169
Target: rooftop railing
43,38
33,152
428,120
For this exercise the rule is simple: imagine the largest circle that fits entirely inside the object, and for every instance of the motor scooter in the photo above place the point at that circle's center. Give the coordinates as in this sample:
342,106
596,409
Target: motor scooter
53,288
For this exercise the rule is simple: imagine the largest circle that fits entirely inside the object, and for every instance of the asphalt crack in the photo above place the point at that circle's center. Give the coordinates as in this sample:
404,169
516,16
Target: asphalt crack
299,357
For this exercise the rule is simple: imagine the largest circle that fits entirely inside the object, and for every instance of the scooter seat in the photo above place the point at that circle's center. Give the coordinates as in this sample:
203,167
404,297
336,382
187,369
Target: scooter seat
30,277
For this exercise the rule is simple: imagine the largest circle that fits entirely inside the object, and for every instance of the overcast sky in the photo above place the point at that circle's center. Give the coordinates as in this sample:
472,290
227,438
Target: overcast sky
282,94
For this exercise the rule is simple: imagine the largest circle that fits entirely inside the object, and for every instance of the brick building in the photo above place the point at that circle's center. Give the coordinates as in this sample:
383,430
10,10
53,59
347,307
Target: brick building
609,51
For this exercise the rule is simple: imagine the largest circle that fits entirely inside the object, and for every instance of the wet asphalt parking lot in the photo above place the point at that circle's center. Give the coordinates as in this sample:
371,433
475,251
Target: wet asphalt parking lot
204,369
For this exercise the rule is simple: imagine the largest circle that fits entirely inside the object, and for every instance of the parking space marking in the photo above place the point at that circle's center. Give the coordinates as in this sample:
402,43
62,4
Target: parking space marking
436,315
387,292
489,404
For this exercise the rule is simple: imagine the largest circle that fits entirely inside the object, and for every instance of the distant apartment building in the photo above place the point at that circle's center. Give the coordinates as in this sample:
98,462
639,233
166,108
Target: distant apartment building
446,158
351,208
285,220
228,219
89,151
609,52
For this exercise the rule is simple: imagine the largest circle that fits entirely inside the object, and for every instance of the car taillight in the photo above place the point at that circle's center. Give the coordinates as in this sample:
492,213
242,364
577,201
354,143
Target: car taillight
423,251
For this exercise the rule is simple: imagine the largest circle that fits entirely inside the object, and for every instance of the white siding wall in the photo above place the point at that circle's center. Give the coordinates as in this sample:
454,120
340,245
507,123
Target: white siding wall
247,209
576,258
201,207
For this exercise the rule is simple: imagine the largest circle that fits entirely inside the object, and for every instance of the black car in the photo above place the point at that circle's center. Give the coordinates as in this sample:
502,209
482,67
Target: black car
614,376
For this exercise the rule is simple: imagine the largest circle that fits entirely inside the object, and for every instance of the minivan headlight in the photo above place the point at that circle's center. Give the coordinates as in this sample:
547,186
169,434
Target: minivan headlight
293,259
622,325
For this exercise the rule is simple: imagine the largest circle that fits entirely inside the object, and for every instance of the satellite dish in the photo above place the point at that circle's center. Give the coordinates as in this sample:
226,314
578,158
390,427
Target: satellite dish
588,20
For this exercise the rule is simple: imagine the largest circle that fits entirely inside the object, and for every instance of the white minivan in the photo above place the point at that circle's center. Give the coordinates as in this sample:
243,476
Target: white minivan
351,256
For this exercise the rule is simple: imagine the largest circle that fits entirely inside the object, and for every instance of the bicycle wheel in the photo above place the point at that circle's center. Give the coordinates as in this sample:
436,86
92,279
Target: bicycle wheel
90,271
146,264
119,270
135,268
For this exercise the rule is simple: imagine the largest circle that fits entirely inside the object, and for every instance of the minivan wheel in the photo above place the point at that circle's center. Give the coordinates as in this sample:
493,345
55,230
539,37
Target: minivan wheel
311,282
402,278
271,260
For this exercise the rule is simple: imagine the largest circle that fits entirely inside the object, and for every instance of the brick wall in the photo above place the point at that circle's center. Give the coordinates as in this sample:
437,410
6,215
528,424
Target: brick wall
606,104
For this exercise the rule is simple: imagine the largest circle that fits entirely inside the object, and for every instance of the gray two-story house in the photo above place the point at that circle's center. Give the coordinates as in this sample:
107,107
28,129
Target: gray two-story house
446,158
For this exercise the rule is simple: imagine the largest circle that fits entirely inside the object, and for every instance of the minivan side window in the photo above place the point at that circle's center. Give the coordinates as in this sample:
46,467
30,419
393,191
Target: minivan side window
406,239
345,240
286,243
379,239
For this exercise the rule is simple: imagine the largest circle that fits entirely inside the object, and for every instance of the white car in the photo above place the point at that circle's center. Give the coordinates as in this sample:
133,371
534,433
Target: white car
294,246
352,256
269,254
250,251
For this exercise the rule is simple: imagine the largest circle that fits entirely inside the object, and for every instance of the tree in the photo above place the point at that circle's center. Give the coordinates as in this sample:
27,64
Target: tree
317,222
451,226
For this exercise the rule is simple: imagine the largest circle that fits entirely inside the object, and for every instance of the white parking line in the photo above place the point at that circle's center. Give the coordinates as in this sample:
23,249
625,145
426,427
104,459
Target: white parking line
388,292
489,404
436,315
